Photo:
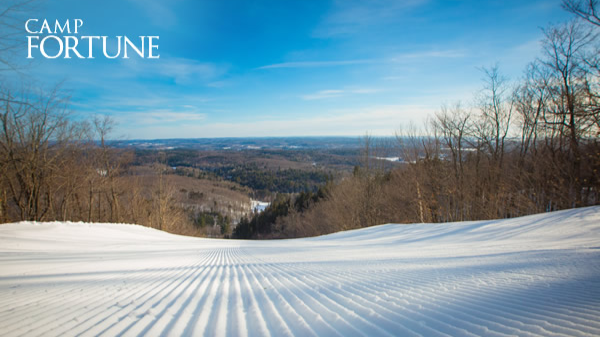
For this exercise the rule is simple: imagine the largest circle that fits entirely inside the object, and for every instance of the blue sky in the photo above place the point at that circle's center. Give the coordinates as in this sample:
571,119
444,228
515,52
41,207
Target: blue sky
291,68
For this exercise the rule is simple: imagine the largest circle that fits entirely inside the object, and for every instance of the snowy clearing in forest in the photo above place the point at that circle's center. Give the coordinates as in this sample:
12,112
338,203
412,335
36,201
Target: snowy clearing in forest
535,275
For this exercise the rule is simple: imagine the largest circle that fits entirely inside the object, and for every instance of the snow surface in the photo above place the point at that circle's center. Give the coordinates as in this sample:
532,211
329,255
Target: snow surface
259,206
536,275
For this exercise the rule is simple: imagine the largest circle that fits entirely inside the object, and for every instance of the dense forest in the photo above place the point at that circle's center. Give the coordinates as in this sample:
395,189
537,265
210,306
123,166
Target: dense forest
281,181
263,171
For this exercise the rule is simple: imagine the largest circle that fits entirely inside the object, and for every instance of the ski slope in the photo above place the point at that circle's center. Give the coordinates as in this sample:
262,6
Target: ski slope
532,276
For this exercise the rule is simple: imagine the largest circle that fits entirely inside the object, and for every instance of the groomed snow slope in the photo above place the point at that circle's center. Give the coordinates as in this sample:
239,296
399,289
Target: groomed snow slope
536,275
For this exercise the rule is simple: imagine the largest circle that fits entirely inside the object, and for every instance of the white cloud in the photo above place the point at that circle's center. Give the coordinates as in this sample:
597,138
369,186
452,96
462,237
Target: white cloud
377,120
161,116
364,91
450,53
130,72
314,64
394,78
182,70
323,94
350,16
158,11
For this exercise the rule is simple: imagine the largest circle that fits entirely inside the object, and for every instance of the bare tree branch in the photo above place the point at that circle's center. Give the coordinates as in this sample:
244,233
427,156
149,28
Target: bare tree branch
585,9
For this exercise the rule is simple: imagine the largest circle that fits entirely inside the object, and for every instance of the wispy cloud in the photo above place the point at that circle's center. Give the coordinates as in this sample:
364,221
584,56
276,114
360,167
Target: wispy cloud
364,91
450,53
394,78
132,72
426,54
158,11
377,120
145,101
313,64
166,116
349,16
527,50
161,117
324,94
182,70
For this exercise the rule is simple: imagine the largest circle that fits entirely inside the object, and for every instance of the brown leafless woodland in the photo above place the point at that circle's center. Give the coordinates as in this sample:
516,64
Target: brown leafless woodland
52,168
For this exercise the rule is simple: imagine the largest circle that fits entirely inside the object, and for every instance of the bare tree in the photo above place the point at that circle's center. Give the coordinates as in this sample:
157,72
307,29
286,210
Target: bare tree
453,124
530,103
416,149
368,179
12,14
564,50
109,165
35,133
588,10
496,106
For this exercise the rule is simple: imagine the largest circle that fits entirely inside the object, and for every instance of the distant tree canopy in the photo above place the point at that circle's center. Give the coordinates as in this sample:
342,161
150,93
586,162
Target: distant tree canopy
231,166
280,181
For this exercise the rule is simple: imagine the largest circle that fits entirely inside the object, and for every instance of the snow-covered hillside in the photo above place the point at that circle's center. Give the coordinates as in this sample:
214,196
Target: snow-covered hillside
537,275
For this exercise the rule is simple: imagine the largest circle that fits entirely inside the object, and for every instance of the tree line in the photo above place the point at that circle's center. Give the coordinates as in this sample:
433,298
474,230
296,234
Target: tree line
521,148
53,167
